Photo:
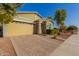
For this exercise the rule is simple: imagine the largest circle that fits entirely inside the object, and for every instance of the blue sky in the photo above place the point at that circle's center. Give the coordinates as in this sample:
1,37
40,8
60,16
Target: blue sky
49,9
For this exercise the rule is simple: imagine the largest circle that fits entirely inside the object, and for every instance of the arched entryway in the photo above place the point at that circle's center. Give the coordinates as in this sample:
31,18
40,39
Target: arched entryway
43,27
39,27
35,27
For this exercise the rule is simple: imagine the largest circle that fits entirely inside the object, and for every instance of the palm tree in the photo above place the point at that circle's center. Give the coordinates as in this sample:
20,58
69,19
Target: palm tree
60,17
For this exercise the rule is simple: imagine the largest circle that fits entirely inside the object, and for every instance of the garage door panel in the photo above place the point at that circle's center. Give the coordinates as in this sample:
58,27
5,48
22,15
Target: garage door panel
17,29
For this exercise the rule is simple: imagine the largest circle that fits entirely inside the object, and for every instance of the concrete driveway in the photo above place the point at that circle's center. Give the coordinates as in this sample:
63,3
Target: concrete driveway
34,45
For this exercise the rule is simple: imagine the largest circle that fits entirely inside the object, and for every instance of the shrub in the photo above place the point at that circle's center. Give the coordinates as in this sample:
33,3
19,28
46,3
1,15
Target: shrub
55,32
72,29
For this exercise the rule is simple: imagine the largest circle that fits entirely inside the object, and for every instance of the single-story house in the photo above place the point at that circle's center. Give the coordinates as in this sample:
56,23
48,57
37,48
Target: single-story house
24,23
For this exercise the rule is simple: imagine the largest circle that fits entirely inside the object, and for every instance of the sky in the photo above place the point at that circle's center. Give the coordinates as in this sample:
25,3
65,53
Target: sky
49,9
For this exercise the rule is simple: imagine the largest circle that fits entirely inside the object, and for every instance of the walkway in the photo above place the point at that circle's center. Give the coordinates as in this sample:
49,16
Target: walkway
69,48
34,45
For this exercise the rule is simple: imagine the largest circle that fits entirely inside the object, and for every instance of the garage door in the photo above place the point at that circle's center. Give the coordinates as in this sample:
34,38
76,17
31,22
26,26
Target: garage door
18,29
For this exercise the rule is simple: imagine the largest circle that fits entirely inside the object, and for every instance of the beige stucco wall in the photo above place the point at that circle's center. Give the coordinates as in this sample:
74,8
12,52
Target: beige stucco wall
17,29
37,17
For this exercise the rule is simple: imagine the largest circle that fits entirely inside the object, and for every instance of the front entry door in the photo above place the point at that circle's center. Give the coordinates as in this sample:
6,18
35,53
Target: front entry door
1,31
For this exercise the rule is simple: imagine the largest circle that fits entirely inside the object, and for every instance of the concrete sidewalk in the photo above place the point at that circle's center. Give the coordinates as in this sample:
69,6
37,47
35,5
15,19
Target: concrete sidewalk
69,48
34,45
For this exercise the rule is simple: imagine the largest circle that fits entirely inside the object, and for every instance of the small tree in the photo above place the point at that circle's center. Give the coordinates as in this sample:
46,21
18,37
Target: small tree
8,11
60,17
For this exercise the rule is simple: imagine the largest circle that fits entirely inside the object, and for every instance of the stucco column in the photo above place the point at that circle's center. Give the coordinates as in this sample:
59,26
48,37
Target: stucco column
40,31
4,30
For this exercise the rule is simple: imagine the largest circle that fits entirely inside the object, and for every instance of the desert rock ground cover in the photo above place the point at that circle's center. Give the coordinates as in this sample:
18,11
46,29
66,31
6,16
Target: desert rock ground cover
6,47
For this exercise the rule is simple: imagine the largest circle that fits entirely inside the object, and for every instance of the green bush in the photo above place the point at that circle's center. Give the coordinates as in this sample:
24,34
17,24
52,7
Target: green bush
55,32
72,27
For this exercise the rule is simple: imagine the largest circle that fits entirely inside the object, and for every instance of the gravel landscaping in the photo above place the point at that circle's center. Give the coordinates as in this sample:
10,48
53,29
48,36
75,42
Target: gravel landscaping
6,47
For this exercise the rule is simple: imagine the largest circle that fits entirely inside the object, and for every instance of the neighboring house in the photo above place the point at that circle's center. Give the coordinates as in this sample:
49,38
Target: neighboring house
25,23
49,24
